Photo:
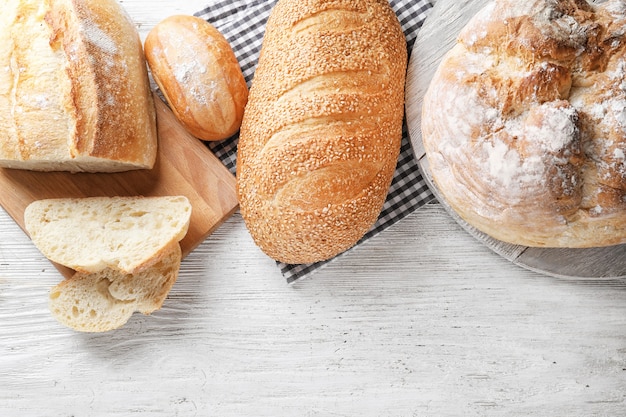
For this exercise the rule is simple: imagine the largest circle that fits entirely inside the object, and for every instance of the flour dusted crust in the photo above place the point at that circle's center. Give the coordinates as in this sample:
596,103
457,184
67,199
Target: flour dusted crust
74,88
524,123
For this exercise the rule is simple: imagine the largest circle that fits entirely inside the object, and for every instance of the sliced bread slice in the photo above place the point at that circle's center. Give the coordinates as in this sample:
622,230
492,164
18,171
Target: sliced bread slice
127,234
105,300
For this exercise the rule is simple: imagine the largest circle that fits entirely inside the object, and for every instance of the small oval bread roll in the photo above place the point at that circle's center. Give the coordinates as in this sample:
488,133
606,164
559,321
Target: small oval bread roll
199,75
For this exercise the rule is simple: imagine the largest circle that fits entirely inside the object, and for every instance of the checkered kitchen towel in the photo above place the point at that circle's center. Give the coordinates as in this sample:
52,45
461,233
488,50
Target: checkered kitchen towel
242,22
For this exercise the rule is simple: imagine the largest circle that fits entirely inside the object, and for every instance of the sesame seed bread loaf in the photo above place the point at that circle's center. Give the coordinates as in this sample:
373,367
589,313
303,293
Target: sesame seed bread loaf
524,123
127,234
322,128
74,88
105,300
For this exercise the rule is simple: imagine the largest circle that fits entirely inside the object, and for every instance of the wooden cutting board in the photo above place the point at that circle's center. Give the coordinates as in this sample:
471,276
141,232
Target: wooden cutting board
184,166
436,37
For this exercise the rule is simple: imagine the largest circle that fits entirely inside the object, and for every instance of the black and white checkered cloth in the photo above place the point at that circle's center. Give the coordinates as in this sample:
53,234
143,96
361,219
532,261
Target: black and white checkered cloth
242,22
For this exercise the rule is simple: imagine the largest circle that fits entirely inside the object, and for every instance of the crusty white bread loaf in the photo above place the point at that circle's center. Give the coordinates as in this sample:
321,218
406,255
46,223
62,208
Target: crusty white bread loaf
524,123
105,300
74,88
322,128
127,234
198,74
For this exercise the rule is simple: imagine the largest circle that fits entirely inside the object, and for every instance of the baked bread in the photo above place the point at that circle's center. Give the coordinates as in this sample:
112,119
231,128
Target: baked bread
127,234
198,74
322,128
74,88
524,123
105,300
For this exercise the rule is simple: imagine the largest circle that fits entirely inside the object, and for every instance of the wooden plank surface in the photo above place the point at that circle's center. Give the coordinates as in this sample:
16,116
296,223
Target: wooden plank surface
437,36
184,166
421,321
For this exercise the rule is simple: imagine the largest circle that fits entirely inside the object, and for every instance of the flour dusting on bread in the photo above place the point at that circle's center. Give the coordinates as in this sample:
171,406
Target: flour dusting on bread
74,88
524,123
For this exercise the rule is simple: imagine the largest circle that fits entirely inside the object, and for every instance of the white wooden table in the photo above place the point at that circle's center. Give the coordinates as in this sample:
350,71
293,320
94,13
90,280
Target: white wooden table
422,320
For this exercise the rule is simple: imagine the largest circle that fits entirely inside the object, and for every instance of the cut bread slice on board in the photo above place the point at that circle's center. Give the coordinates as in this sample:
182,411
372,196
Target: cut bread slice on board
128,234
105,300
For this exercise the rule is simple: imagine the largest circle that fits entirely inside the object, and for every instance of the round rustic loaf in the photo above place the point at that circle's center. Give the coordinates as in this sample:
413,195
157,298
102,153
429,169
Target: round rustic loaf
199,75
524,123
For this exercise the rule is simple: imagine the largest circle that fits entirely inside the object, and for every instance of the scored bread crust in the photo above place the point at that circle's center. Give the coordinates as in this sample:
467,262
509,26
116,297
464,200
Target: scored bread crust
105,300
524,123
322,128
74,89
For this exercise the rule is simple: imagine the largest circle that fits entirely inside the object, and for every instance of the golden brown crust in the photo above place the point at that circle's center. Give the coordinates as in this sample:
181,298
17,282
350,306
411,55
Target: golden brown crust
94,109
199,75
322,129
524,123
